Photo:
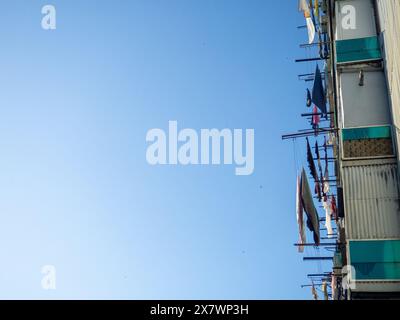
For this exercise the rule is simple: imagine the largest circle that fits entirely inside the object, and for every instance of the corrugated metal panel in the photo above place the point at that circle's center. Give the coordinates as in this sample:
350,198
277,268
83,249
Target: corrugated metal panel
371,201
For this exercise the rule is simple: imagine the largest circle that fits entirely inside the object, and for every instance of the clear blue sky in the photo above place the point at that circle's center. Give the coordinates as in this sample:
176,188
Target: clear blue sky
76,191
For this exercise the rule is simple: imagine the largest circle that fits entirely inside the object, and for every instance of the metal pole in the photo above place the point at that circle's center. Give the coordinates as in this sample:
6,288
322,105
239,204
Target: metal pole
314,245
316,258
311,59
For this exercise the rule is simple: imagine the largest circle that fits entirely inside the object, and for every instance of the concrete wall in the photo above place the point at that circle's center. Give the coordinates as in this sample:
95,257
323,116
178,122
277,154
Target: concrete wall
389,23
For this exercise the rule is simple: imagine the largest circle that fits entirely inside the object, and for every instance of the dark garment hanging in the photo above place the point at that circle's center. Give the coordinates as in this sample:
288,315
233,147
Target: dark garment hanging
317,191
317,155
340,205
318,92
334,208
309,208
309,100
326,46
310,160
323,47
313,172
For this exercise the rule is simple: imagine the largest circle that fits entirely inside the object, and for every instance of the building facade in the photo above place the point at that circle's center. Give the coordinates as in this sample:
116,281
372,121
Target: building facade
359,46
365,77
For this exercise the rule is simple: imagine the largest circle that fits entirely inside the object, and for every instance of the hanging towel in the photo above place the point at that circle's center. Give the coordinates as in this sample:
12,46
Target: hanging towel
305,7
328,218
309,208
299,215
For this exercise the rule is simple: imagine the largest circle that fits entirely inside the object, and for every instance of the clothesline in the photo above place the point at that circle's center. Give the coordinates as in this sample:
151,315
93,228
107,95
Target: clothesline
308,133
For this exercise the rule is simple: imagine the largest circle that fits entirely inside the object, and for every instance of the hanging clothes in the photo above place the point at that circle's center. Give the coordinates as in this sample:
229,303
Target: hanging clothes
317,191
313,18
340,204
314,292
318,92
326,152
324,196
309,208
326,46
321,193
334,208
333,287
315,120
326,186
305,7
313,171
316,10
325,290
323,47
310,160
328,218
317,155
331,139
299,216
309,101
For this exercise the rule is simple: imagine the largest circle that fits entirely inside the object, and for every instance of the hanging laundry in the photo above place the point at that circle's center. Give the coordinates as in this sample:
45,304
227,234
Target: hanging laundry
316,10
331,139
318,92
340,203
315,120
322,193
311,164
333,288
326,152
309,102
321,49
326,46
328,218
334,208
312,13
324,196
314,292
317,190
318,157
305,7
326,181
325,287
323,46
309,208
313,171
299,215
